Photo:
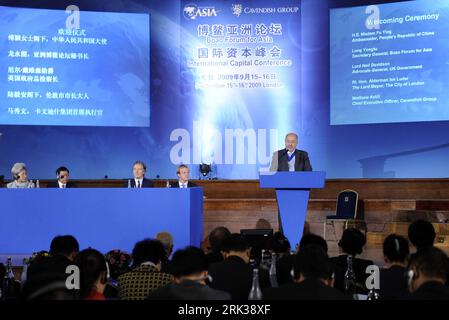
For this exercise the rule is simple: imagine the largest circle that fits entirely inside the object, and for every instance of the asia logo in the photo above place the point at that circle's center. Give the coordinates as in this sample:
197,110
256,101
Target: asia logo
237,9
192,11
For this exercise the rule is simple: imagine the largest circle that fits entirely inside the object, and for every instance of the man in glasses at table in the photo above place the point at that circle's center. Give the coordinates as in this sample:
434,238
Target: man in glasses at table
62,182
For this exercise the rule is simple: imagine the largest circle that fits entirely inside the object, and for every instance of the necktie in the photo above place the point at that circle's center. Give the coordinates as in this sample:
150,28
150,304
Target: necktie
138,184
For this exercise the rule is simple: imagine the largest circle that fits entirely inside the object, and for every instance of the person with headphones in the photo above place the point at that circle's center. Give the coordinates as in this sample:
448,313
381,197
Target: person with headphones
20,175
139,181
62,176
427,275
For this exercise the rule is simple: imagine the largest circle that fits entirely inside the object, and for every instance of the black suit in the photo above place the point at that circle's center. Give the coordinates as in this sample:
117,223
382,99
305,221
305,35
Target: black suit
188,290
55,184
55,264
431,290
214,257
146,183
393,283
283,267
359,266
309,289
302,162
189,184
235,276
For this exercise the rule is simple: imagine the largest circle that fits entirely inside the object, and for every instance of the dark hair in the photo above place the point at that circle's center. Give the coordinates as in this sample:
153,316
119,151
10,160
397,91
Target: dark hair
421,234
188,261
312,262
60,169
396,248
235,242
181,166
309,239
217,237
432,262
148,250
352,241
144,166
64,245
279,243
91,264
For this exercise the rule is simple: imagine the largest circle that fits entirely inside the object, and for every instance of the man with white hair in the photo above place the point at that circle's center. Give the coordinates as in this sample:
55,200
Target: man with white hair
290,158
20,175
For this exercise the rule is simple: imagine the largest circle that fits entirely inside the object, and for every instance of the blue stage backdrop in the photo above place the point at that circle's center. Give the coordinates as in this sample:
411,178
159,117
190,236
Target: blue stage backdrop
222,82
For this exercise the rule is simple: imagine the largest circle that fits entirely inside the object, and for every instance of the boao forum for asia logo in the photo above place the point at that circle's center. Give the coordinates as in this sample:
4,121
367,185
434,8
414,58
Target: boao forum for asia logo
192,12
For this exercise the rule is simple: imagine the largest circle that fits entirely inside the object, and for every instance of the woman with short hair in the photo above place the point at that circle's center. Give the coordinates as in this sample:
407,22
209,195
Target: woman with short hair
20,175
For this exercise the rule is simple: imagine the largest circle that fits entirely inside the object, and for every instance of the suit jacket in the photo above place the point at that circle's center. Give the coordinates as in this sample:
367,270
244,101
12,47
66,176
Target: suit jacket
359,266
283,267
393,283
188,290
55,264
235,276
431,290
138,283
54,184
309,289
146,183
189,184
279,162
214,257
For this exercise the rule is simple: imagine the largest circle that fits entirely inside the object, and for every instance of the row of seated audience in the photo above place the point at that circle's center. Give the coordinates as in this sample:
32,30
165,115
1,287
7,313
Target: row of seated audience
225,271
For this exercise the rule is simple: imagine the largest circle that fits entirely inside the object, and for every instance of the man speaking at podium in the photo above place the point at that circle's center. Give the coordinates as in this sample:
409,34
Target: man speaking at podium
290,158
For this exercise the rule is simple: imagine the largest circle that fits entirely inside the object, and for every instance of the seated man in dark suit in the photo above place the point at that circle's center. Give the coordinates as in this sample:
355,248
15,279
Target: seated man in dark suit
46,275
183,174
63,251
312,278
62,176
189,267
234,274
139,181
351,243
290,158
428,275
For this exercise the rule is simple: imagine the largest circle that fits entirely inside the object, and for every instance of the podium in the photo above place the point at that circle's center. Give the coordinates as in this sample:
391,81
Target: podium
292,193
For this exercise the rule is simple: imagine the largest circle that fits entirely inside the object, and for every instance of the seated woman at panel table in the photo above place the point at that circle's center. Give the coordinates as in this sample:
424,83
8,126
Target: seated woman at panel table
20,175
